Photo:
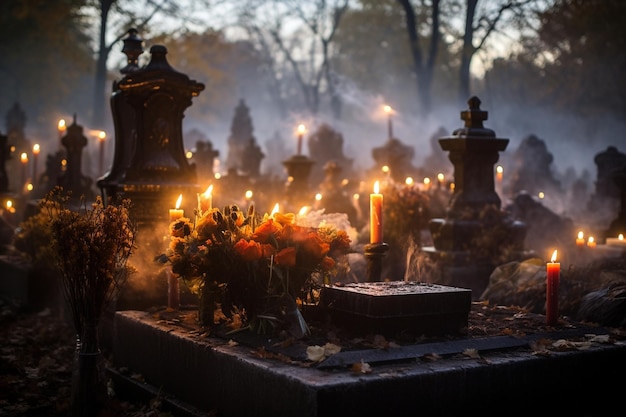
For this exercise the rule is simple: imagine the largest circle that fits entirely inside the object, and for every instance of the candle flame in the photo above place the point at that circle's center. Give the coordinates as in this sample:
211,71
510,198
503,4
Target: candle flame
24,157
553,259
208,191
440,177
303,211
179,201
581,235
301,129
376,187
499,169
61,125
102,135
620,236
387,109
591,240
408,181
36,148
248,194
275,209
9,204
318,197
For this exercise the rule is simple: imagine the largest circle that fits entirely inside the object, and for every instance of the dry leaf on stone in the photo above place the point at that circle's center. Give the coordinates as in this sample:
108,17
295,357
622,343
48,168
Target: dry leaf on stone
361,367
315,353
471,353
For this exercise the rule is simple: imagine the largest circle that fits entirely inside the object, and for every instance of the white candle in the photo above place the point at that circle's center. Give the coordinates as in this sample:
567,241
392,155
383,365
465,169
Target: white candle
177,213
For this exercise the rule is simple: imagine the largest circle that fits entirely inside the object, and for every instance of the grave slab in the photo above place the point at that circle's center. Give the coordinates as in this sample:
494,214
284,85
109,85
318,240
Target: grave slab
505,377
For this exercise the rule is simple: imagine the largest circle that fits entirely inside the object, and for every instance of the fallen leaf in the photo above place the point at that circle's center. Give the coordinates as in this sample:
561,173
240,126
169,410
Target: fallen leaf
471,353
361,367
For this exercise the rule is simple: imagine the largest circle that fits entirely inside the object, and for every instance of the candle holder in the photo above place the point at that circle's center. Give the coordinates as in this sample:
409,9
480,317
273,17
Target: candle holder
374,253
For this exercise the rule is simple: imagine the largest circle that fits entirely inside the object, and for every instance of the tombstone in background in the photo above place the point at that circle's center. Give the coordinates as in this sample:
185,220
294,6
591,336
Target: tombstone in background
15,126
532,170
618,225
437,161
204,157
604,203
72,179
326,145
251,160
241,133
398,157
335,198
476,235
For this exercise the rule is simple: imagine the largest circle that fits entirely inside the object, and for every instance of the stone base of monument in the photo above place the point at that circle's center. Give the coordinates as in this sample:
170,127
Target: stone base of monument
191,370
391,308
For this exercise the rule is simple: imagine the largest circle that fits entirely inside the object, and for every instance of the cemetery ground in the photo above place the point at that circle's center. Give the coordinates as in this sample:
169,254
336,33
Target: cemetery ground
37,352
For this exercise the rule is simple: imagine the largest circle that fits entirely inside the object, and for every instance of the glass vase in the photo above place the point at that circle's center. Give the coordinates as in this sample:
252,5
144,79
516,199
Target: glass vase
88,379
209,296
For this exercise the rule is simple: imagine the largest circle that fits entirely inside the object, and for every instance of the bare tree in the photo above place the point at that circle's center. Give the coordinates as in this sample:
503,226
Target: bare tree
479,25
305,50
423,66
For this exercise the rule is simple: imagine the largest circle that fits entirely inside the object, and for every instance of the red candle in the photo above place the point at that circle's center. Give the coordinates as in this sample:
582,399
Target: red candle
376,215
553,269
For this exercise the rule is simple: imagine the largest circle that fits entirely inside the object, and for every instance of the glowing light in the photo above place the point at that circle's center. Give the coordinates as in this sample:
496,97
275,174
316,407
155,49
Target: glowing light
189,155
376,187
248,195
553,258
179,201
275,210
440,177
24,157
36,149
541,195
408,181
318,197
303,211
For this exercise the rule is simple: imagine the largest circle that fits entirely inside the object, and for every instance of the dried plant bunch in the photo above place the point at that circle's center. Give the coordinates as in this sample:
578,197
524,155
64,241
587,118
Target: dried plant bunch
91,246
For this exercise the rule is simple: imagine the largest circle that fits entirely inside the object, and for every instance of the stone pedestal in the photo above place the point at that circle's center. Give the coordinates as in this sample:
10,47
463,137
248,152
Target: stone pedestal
475,236
298,168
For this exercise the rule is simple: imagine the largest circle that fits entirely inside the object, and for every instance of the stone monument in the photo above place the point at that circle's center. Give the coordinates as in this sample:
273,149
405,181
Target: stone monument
475,236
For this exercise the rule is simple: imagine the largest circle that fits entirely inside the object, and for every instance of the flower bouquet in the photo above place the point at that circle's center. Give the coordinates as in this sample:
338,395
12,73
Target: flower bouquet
259,267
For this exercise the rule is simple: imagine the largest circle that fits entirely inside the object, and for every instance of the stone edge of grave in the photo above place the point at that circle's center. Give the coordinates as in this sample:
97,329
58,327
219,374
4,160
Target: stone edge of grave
212,374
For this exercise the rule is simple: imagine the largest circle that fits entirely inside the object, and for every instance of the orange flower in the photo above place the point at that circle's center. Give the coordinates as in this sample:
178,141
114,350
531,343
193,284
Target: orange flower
267,250
286,257
249,250
314,246
284,219
265,230
328,263
206,226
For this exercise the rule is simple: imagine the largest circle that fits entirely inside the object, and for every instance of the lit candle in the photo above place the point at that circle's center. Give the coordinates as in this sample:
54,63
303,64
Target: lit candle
177,213
426,184
376,215
499,176
580,240
553,276
440,179
36,149
61,127
301,130
101,137
205,200
616,241
275,210
591,242
24,160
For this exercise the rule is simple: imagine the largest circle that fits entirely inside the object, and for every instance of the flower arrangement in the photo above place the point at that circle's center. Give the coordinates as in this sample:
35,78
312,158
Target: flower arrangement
262,267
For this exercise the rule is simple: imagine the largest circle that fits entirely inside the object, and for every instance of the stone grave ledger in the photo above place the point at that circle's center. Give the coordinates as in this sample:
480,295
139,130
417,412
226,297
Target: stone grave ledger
233,380
388,308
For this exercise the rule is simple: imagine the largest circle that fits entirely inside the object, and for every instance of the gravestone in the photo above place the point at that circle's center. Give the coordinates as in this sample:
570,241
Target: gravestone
241,133
532,170
326,145
397,156
150,166
72,179
476,235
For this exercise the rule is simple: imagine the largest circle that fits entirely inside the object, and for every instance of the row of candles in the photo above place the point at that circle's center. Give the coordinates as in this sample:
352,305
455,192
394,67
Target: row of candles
205,203
591,242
